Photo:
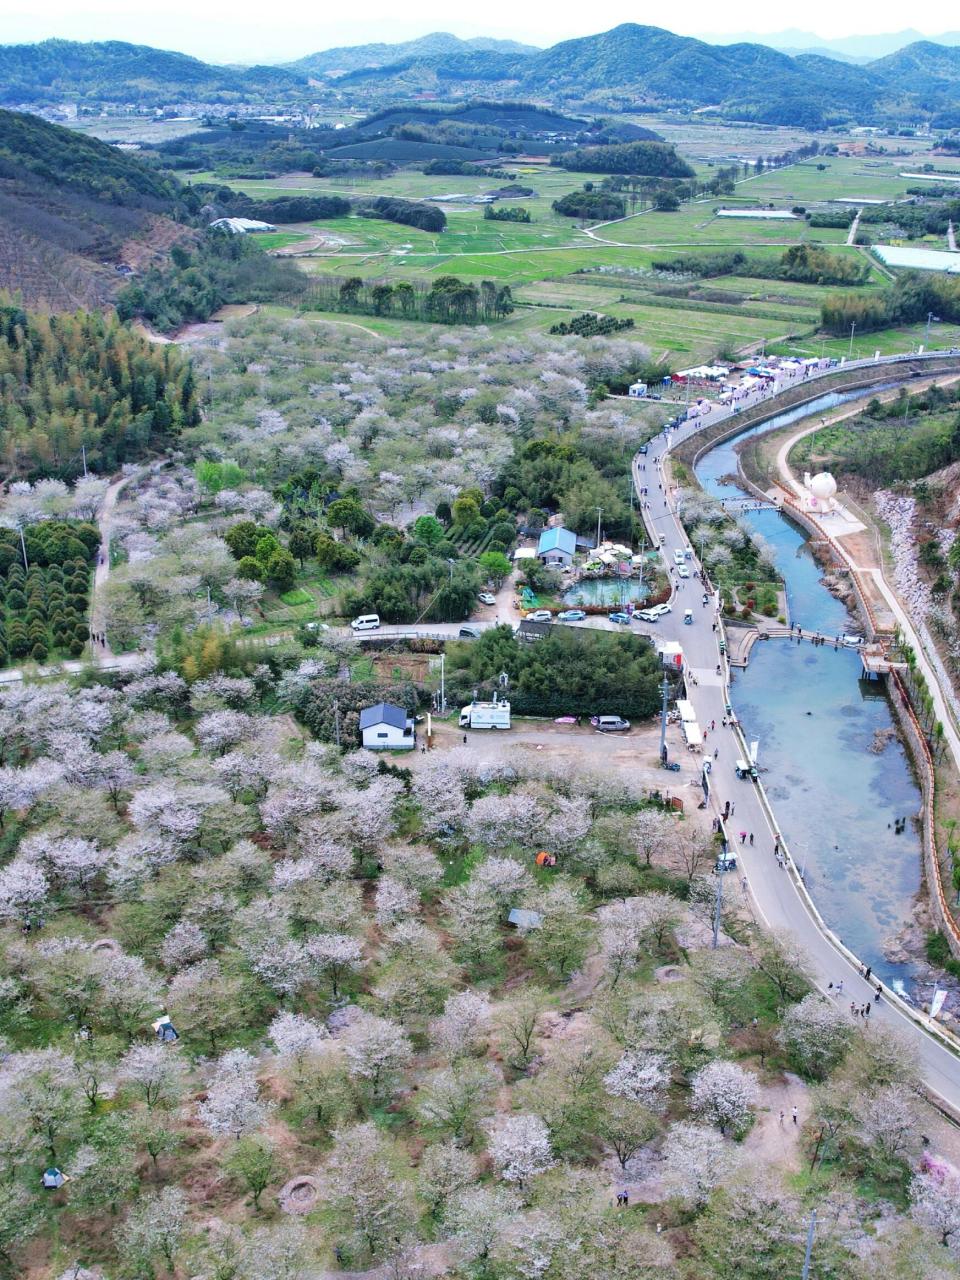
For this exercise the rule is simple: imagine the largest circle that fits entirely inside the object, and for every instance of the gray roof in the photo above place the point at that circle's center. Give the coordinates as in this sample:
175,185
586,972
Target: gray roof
524,918
383,713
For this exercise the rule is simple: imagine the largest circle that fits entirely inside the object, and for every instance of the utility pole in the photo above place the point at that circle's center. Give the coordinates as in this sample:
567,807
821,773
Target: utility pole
810,1231
853,329
83,450
664,689
599,514
443,688
336,721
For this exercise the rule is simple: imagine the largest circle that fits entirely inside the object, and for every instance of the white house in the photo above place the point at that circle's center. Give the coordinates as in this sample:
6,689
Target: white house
638,390
385,727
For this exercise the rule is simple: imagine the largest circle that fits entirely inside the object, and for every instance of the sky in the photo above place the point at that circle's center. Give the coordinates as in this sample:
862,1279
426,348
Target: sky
252,31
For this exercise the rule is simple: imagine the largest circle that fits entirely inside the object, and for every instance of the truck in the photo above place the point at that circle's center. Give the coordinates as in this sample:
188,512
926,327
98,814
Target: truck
485,715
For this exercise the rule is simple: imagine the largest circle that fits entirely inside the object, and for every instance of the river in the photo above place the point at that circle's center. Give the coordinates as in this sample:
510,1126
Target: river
835,800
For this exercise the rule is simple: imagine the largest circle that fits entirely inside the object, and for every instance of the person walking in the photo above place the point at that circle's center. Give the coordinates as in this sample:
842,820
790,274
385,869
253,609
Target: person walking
743,837
794,1113
751,839
840,987
866,1010
733,807
868,973
782,1117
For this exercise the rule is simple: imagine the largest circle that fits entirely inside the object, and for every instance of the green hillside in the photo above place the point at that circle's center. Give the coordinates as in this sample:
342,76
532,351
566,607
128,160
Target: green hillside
74,210
113,71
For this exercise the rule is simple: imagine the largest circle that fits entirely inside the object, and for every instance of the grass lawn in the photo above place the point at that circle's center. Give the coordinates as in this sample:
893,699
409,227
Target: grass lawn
297,596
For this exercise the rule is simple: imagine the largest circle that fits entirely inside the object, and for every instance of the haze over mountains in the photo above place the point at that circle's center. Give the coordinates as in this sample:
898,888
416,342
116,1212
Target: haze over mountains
860,48
627,68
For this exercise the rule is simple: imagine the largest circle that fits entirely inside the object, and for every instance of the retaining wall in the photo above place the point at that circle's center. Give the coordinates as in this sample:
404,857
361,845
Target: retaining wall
923,763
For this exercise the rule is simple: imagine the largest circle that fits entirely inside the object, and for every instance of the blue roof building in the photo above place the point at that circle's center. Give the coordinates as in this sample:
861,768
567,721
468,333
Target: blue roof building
557,546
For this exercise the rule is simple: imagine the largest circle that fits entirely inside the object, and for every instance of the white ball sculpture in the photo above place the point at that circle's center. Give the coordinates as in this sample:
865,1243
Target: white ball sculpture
824,488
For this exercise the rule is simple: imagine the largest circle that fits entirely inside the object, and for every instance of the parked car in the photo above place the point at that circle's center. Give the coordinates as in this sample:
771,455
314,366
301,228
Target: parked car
655,612
366,622
610,724
539,615
642,449
725,862
571,615
683,571
487,597
623,619
851,641
467,632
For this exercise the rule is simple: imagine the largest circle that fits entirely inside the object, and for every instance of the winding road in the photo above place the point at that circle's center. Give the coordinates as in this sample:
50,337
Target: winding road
778,894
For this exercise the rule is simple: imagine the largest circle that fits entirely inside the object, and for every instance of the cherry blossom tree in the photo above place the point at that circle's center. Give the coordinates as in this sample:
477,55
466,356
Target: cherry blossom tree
454,1100
233,1106
295,1037
40,1099
154,1071
650,831
413,866
333,956
184,944
218,730
498,821
24,890
394,900
520,1148
640,1077
463,1025
935,1200
724,1094
477,1218
816,1032
154,1228
377,1051
363,1188
445,1171
696,1160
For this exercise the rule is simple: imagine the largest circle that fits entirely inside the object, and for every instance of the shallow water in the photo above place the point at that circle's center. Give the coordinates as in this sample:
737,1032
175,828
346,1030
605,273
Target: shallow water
611,591
835,800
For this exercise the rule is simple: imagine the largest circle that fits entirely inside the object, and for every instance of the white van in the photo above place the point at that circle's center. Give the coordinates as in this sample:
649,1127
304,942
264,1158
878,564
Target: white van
678,556
366,622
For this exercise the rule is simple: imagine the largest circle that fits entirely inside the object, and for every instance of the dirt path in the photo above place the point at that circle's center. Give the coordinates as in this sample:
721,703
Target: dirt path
769,1142
102,573
854,228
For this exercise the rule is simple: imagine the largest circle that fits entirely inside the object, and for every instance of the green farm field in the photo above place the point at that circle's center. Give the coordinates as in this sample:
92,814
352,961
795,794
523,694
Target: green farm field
556,267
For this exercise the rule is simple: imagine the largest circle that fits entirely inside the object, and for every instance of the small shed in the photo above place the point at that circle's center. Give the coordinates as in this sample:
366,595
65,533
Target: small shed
557,546
637,391
523,919
385,727
165,1031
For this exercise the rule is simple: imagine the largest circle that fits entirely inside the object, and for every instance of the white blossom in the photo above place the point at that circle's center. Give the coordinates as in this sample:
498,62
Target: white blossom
724,1094
520,1148
233,1106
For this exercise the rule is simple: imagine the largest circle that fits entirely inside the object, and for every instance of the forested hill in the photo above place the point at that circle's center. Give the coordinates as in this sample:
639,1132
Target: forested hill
438,44
113,71
74,211
85,380
64,158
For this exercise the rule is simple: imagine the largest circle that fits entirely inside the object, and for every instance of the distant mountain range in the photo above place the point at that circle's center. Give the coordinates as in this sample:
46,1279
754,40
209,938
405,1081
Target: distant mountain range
439,44
846,48
628,68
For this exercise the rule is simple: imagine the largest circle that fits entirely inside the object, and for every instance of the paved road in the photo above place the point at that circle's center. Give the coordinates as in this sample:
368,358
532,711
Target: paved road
777,894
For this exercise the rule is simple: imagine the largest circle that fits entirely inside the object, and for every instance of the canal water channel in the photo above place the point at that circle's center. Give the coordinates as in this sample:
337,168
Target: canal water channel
835,800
